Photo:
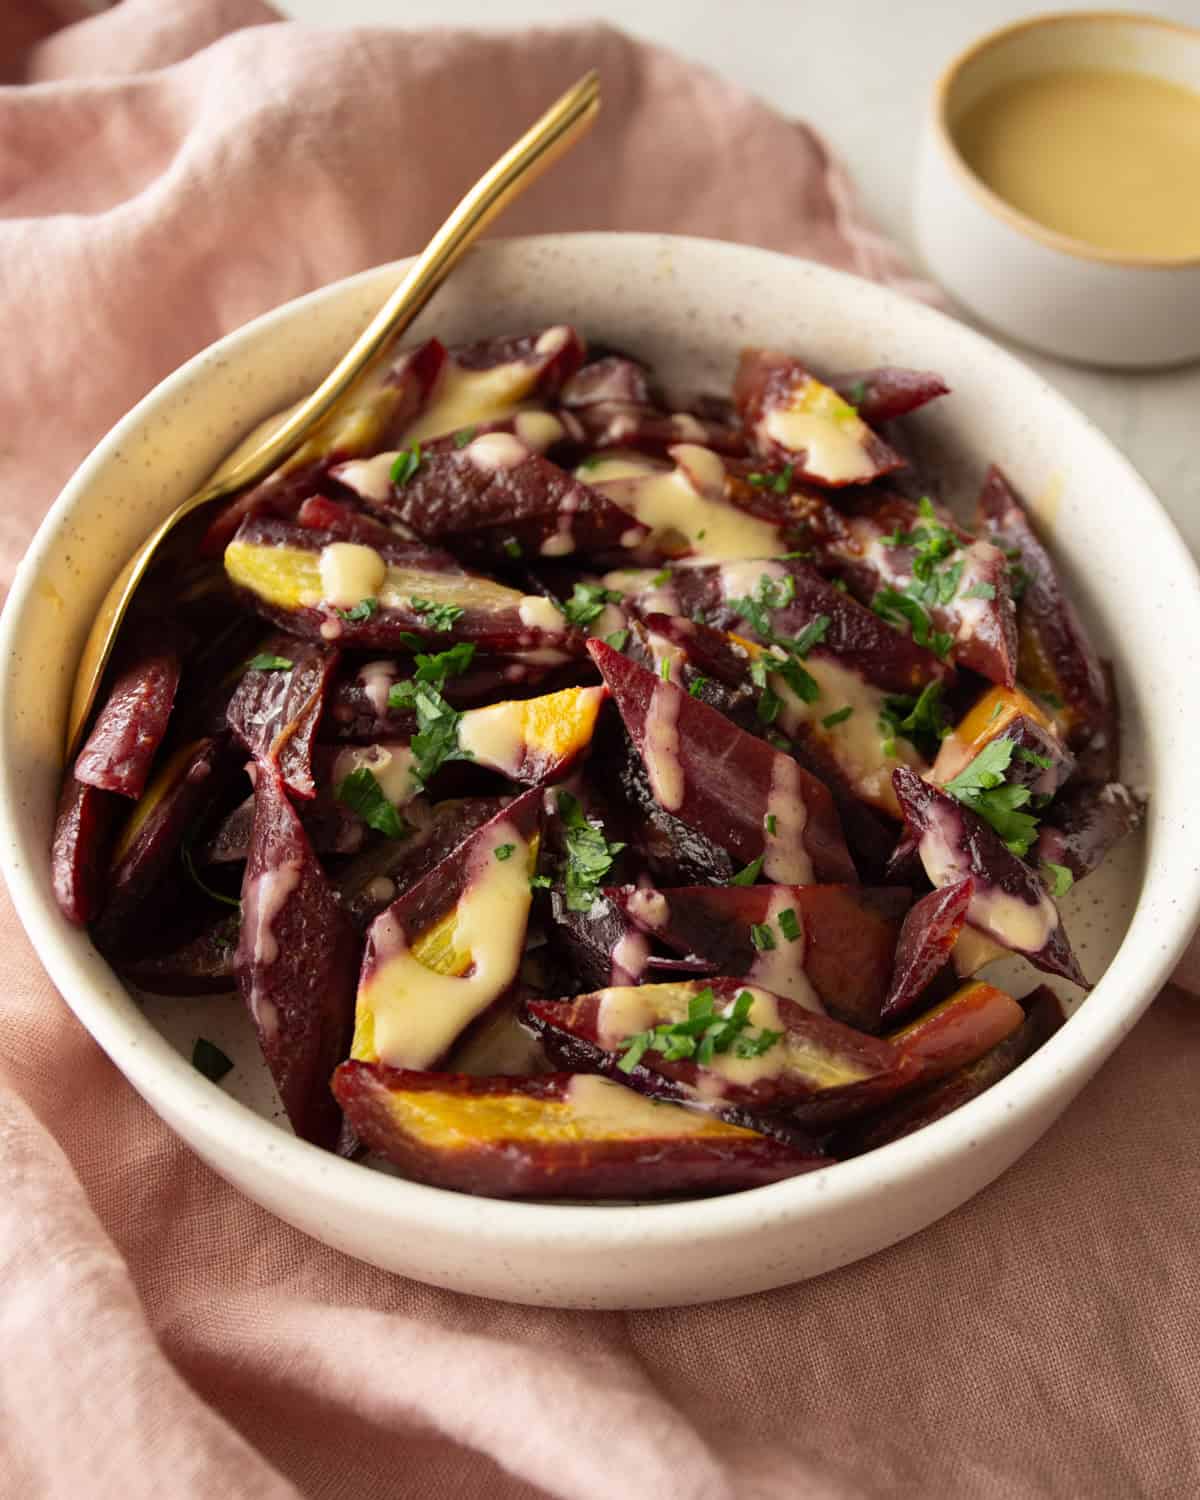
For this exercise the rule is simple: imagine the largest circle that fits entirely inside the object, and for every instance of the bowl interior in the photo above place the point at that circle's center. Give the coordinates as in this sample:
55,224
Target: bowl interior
687,307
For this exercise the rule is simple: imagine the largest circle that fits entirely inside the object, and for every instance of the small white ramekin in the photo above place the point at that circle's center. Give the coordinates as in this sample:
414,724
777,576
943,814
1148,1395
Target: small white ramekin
1045,289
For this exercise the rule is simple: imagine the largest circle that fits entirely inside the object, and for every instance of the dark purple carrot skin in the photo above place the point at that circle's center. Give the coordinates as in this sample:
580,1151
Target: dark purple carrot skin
526,1166
1033,747
1054,643
765,380
959,1030
83,834
463,496
141,879
625,424
296,963
857,638
594,948
331,826
976,850
202,964
727,774
569,1029
130,727
927,938
344,521
612,378
281,494
405,862
1043,1016
276,712
848,935
1084,824
888,391
496,627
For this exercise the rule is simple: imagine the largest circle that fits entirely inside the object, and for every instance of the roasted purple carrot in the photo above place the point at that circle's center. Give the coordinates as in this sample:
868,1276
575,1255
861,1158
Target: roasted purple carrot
130,727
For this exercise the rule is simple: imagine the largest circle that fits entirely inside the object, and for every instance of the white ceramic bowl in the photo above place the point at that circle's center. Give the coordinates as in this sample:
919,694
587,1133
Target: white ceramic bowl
1051,292
687,305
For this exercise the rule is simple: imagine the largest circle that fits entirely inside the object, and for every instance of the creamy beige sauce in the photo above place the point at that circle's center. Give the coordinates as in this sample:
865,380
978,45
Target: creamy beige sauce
629,959
649,907
973,949
611,1110
826,429
497,451
495,736
661,748
781,969
787,861
739,579
538,429
369,477
377,679
350,573
467,398
418,1012
856,743
540,613
391,765
680,517
1108,158
1023,925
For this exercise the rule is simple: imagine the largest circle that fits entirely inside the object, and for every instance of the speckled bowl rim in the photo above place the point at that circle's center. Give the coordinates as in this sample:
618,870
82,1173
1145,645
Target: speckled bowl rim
1000,207
1158,932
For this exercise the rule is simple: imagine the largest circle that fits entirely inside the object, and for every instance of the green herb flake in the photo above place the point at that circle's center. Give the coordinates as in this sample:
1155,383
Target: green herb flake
439,617
705,1033
592,461
789,924
406,464
464,436
857,394
436,740
362,794
587,603
589,855
189,864
504,851
661,578
1058,878
981,787
512,548
980,590
830,721
664,669
207,1058
697,685
770,824
265,662
1032,758
540,883
433,669
363,610
762,937
780,482
750,874
618,640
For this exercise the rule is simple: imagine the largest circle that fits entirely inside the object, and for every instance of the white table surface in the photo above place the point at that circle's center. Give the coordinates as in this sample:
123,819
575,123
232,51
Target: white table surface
861,71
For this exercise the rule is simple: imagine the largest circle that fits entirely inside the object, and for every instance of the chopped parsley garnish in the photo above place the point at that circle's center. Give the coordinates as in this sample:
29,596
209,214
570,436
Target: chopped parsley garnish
980,590
406,464
436,740
922,720
439,617
769,593
363,610
189,864
539,883
661,578
589,854
779,482
504,851
840,717
770,824
934,580
774,593
789,924
696,686
433,669
664,669
587,603
512,548
1058,878
981,787
463,437
769,701
207,1058
1032,758
592,461
265,662
750,874
1052,700
762,937
362,794
618,640
857,394
705,1033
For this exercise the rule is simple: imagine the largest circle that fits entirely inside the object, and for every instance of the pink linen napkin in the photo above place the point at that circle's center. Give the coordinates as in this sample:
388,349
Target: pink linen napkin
166,172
